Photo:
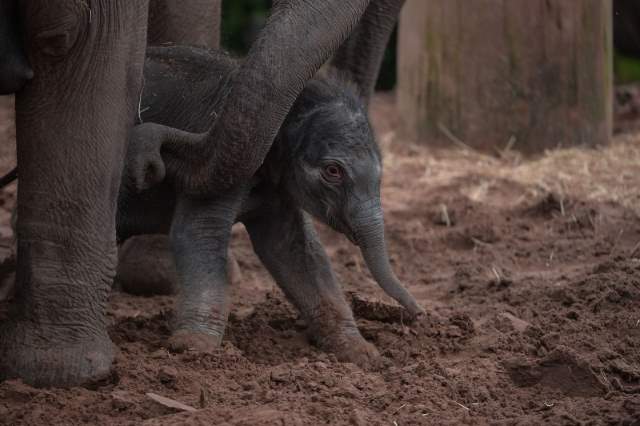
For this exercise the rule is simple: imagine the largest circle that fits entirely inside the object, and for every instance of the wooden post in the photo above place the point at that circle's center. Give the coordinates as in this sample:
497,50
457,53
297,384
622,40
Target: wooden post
531,74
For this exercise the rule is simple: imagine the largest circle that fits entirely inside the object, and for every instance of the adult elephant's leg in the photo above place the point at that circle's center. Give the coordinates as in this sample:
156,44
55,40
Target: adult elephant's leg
300,36
200,235
193,22
286,243
361,55
72,122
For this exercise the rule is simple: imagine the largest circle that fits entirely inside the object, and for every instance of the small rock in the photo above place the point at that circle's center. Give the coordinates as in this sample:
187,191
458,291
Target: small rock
421,369
168,376
626,371
515,323
169,403
159,354
357,418
204,397
121,400
464,322
16,391
268,397
280,374
250,385
347,390
550,340
572,315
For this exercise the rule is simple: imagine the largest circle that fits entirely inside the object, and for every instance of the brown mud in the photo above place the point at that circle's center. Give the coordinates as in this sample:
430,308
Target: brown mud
530,272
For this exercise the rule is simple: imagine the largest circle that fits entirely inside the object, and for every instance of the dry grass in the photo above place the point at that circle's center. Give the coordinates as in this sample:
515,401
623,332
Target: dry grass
610,173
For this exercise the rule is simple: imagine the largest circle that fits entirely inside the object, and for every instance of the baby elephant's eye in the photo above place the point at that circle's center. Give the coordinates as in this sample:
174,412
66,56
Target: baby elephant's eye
332,173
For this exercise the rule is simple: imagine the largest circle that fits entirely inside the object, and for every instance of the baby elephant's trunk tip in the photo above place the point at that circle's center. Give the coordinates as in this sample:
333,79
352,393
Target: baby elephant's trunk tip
370,238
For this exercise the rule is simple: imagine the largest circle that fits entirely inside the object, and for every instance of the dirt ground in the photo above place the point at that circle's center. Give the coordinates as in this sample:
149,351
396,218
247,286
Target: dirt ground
530,272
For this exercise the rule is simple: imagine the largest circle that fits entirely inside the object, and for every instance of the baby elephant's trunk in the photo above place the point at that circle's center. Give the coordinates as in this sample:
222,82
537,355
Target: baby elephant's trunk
368,224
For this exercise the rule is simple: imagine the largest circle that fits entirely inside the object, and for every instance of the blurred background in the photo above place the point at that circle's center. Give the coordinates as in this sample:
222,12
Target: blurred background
556,93
243,19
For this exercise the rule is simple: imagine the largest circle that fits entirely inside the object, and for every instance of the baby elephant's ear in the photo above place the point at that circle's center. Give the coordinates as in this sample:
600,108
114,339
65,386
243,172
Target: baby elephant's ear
143,165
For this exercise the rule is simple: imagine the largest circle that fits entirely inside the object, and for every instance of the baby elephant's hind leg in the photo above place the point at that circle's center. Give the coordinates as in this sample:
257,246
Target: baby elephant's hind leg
200,235
286,243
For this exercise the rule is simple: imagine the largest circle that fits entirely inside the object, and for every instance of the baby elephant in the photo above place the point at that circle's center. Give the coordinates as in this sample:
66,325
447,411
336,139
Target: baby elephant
324,163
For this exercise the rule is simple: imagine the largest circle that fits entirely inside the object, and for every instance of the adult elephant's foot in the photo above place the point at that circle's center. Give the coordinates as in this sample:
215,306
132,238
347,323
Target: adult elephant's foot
48,357
347,344
190,340
145,266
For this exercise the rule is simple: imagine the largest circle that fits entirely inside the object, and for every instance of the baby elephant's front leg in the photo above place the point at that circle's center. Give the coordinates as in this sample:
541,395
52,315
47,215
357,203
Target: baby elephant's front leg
287,245
200,234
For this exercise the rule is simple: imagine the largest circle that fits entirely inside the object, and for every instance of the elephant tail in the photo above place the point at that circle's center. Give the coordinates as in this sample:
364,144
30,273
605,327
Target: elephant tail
9,177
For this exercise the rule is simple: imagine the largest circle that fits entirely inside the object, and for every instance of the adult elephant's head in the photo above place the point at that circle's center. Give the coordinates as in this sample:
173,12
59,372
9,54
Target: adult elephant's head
14,68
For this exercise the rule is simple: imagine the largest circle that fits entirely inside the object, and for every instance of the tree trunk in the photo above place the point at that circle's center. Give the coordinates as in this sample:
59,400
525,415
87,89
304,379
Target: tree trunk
528,74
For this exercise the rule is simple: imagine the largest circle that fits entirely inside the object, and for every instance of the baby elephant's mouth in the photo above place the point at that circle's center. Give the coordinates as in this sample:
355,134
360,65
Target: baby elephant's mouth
351,236
348,232
341,226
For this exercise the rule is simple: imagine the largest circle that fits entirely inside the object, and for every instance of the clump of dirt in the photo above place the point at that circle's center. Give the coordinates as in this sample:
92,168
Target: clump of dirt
376,311
529,272
561,370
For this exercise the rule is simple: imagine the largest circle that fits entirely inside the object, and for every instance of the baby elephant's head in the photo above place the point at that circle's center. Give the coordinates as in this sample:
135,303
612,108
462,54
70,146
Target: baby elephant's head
334,172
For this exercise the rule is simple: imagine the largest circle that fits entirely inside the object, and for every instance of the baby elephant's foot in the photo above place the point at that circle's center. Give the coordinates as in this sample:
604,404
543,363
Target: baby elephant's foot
190,340
348,345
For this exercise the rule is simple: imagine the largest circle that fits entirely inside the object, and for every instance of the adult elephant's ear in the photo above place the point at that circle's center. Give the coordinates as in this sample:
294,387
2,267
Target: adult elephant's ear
360,57
298,38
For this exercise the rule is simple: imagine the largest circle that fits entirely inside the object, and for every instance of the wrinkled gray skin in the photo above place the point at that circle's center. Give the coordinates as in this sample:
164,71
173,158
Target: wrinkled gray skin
324,162
195,162
72,121
186,22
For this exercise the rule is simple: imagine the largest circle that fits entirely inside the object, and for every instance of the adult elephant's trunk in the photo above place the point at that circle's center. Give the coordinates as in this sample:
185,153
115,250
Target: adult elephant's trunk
298,38
368,225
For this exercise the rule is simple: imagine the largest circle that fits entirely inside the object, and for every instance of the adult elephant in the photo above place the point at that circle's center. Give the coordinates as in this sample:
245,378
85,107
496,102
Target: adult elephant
72,122
189,22
297,39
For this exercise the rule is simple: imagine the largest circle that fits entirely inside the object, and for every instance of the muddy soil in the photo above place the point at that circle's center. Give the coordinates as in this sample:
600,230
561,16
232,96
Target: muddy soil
530,272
